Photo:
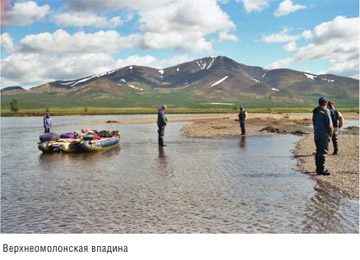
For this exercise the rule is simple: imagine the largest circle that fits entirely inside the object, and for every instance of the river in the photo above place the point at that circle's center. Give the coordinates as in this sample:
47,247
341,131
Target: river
236,185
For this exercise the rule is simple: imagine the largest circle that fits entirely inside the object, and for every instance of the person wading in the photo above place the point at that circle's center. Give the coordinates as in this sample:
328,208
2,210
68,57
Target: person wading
323,130
338,122
242,118
161,122
47,123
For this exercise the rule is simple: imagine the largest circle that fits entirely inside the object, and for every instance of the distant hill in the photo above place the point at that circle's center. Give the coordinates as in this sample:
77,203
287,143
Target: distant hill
198,83
13,90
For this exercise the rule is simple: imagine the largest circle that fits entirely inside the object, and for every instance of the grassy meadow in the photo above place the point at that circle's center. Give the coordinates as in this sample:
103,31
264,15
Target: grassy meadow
137,103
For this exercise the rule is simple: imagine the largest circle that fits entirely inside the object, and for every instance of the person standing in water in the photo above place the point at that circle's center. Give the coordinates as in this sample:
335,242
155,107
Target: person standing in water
242,118
161,122
47,123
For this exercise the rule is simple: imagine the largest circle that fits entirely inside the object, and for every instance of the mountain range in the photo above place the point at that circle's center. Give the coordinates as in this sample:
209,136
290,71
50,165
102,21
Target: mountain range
200,83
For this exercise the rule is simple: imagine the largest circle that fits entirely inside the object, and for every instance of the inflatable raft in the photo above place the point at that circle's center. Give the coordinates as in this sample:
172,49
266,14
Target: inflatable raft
49,147
71,146
99,145
78,146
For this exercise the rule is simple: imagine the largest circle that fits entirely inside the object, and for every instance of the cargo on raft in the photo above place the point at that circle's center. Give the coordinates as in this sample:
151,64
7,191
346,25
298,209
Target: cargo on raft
85,141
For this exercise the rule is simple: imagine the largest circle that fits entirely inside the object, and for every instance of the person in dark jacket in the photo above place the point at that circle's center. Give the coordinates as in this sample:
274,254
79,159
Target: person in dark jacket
47,123
323,130
242,118
161,122
338,122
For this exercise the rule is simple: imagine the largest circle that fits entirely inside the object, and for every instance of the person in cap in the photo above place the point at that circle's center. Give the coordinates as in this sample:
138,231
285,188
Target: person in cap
242,117
323,130
161,122
338,122
47,123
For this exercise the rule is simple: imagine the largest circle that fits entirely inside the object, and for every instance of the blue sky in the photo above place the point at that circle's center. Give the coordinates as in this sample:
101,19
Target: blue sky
43,41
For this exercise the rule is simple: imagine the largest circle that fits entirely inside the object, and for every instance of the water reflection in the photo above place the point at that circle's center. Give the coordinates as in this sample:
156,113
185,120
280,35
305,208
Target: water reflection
242,143
49,157
163,162
93,156
323,212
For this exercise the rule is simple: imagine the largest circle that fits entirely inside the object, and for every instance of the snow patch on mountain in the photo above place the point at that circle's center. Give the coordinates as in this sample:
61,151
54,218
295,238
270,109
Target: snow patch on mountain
67,83
219,81
309,76
201,65
212,61
82,80
328,80
132,86
88,78
224,104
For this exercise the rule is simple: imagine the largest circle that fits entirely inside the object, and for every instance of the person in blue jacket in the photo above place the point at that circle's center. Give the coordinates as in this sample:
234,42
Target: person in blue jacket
161,122
323,130
47,123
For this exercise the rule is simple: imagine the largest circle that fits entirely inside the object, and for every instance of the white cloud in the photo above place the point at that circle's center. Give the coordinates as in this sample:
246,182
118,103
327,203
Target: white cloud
24,13
81,5
45,57
340,28
180,24
286,7
336,41
280,37
183,25
151,61
282,63
82,19
193,42
34,69
7,43
255,5
61,42
225,36
290,47
307,34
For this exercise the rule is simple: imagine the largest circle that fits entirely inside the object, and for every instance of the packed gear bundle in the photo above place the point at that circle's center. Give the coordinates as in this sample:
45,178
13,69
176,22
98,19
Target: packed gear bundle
86,140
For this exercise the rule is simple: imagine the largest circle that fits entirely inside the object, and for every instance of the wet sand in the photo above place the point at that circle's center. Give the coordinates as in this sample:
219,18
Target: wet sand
344,167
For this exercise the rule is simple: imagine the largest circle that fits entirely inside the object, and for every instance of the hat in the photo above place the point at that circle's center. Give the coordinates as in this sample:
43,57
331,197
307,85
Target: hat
241,107
163,107
323,100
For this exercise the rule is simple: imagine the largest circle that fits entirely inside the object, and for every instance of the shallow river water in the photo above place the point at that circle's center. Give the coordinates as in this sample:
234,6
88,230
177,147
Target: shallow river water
237,185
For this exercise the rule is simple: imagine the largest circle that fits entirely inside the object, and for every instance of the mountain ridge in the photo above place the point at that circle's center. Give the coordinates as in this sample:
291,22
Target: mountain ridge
203,80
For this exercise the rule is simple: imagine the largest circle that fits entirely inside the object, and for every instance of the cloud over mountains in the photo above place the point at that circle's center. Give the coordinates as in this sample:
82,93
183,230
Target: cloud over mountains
88,36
